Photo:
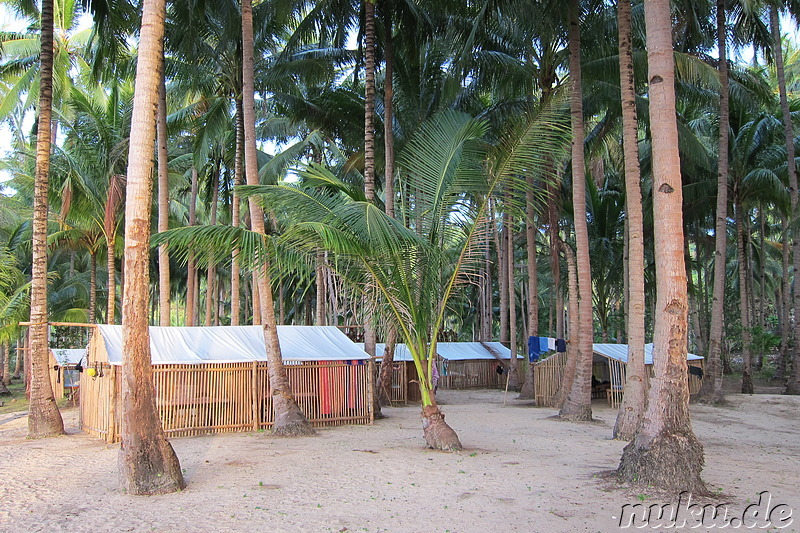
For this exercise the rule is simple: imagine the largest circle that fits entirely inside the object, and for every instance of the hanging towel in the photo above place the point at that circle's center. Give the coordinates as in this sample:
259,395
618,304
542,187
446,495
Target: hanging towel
534,349
551,344
561,345
542,344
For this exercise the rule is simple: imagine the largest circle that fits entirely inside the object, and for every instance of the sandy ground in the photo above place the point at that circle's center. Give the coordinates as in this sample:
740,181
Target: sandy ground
521,471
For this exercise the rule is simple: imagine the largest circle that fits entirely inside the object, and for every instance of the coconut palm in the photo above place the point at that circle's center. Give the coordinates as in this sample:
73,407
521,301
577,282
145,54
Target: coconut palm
44,419
664,451
148,464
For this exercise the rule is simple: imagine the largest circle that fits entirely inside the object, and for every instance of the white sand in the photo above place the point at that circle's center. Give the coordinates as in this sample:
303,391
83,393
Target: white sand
521,471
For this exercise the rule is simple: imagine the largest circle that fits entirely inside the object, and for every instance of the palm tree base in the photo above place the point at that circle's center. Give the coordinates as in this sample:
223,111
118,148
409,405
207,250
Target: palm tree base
149,466
44,420
671,461
575,412
289,419
628,421
438,435
527,392
747,384
709,397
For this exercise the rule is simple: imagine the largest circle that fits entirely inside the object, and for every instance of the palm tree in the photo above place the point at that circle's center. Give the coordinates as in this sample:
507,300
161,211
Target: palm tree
712,386
578,405
147,462
664,451
793,383
44,419
289,419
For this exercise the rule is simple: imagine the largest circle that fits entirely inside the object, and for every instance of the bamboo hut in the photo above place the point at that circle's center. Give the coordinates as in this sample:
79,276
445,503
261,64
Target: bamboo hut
473,365
461,365
214,379
609,363
65,371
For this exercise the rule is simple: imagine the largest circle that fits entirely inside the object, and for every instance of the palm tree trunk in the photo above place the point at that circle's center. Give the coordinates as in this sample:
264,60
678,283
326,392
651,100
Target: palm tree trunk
7,364
527,392
92,287
320,285
369,100
388,118
785,302
665,453
578,405
191,269
635,395
147,462
20,359
111,304
369,139
501,244
288,418
744,307
163,205
44,419
513,368
711,389
235,219
4,355
212,271
384,382
573,355
793,383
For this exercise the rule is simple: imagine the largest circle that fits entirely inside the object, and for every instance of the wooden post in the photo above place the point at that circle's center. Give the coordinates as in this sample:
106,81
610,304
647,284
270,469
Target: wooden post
111,435
370,390
255,411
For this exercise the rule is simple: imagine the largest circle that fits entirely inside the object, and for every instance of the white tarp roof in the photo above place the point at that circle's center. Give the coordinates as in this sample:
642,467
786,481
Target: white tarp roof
68,356
620,352
401,353
463,351
234,344
451,351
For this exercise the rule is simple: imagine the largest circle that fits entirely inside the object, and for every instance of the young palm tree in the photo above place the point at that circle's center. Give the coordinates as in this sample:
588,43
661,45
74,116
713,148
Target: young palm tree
664,451
147,462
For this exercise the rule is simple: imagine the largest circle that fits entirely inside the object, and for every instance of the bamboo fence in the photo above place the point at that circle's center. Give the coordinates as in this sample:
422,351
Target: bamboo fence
198,399
549,372
470,374
547,376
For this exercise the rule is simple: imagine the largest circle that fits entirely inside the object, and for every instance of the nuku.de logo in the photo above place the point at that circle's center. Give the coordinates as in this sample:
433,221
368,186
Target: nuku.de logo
685,514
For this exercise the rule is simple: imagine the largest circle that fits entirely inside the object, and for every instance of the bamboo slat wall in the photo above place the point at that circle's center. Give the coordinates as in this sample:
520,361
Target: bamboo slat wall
398,393
471,374
225,397
56,381
547,375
